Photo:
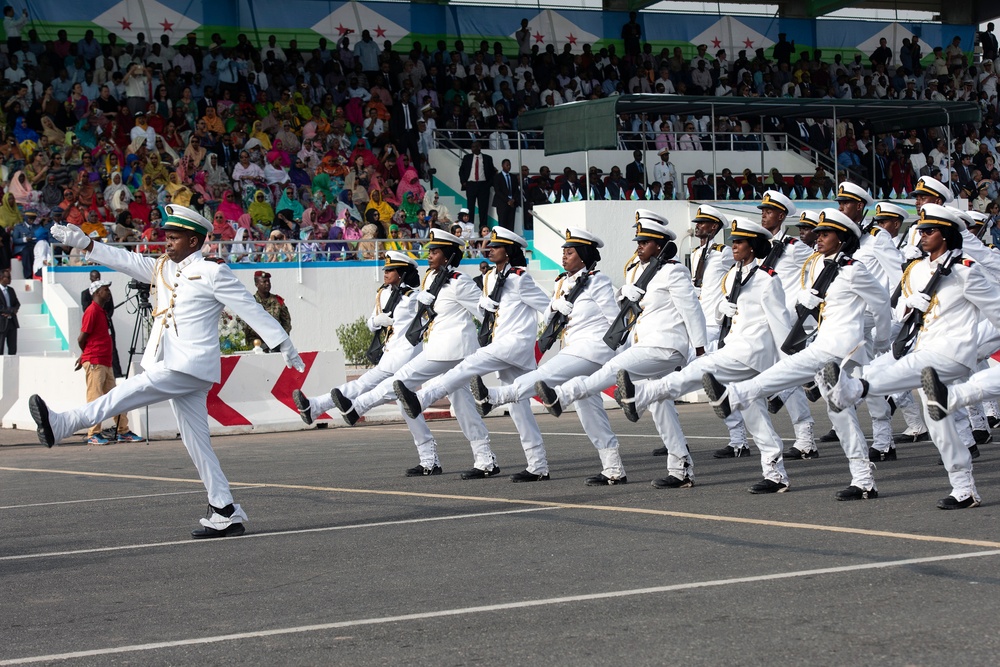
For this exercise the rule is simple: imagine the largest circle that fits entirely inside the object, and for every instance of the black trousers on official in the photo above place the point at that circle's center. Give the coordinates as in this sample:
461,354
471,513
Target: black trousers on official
8,341
478,194
506,215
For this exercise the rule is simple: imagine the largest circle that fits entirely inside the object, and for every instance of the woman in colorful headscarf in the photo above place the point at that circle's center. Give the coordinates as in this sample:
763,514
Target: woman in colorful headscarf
22,132
277,152
9,213
258,134
410,182
375,202
179,192
298,175
132,174
56,136
261,212
290,202
51,192
321,183
138,208
155,170
229,207
361,150
289,142
411,208
216,179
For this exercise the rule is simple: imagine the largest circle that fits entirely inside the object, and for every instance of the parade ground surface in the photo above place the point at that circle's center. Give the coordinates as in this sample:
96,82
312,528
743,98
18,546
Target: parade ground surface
347,562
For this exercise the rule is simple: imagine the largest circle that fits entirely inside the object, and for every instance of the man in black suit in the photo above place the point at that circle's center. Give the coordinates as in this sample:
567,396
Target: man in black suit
9,306
476,175
506,195
484,268
109,308
635,171
228,154
403,127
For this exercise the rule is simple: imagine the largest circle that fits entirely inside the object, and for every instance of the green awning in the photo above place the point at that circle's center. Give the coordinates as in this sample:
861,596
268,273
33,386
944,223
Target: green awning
591,125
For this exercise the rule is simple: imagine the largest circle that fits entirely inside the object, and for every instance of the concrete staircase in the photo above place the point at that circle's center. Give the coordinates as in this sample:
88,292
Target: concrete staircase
36,336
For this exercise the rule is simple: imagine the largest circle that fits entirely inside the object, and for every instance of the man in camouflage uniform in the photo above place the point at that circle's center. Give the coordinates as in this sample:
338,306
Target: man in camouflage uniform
272,303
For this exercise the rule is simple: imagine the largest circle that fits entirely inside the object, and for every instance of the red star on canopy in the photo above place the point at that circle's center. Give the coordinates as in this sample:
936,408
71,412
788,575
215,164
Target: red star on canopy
126,25
341,30
167,26
716,43
571,38
379,31
539,37
748,43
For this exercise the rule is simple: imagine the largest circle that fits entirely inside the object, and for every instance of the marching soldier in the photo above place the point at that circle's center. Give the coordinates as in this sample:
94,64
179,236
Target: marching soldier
182,357
840,338
510,302
754,306
807,227
949,292
787,257
670,322
585,299
709,262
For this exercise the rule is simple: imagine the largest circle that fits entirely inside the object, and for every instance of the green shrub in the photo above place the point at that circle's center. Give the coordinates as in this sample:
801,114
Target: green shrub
354,340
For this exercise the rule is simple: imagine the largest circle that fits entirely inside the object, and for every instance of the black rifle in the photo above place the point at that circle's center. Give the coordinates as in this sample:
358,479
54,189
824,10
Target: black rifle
558,322
699,272
774,254
630,310
734,294
489,317
914,320
426,314
377,347
797,336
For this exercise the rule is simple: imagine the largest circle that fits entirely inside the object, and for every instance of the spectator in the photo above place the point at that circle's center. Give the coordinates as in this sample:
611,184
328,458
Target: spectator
476,175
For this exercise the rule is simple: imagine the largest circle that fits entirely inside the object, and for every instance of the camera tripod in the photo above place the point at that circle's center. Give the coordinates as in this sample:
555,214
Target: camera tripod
140,328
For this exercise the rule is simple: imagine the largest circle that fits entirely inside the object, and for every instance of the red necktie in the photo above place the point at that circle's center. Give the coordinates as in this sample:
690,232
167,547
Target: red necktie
476,176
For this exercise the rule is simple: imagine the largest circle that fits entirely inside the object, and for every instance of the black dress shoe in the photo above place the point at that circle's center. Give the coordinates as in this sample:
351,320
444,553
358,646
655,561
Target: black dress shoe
625,396
767,486
478,473
351,417
422,471
482,396
671,482
718,397
982,437
937,394
904,438
525,476
302,404
730,452
660,451
232,530
342,402
876,456
40,413
795,454
812,391
601,479
993,421
855,493
406,396
549,398
950,503
774,404
831,436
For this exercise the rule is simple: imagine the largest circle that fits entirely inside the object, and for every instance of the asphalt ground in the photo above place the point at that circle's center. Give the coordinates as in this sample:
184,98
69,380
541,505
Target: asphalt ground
348,562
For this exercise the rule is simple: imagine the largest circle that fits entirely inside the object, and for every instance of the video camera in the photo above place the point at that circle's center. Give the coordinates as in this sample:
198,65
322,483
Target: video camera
141,291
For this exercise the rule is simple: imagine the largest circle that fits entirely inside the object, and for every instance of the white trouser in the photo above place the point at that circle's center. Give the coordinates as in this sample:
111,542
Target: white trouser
734,422
483,361
641,363
589,410
878,405
795,371
726,370
912,413
980,387
412,374
187,395
904,374
387,365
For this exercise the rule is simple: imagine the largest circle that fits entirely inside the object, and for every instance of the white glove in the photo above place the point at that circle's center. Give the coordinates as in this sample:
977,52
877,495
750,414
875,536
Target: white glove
918,301
697,292
912,252
880,348
563,306
809,299
70,235
632,293
291,356
727,309
426,298
487,304
382,320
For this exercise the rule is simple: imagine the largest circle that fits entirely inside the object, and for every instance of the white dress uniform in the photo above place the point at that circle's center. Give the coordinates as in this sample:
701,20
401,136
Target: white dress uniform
510,353
451,338
670,323
759,326
709,264
582,352
789,269
181,361
946,342
840,338
396,352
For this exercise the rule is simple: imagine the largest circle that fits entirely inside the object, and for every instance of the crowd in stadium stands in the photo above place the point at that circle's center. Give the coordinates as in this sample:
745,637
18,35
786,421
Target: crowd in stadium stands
329,146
